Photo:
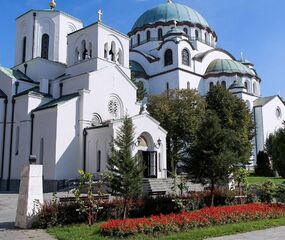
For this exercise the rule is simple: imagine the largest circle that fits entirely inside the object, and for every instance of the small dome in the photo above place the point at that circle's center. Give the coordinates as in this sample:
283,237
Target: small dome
175,30
237,84
228,66
137,69
169,12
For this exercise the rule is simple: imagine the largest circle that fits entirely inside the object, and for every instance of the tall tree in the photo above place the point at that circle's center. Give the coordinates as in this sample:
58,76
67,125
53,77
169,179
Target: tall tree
213,156
125,170
180,113
275,147
235,115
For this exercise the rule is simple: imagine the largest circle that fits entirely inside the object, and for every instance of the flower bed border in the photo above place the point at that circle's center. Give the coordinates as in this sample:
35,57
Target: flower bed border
163,224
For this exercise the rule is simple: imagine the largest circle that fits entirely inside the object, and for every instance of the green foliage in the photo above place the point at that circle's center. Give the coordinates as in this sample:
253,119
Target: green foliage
235,115
275,146
263,167
280,193
180,113
141,91
88,206
125,170
266,192
213,154
240,176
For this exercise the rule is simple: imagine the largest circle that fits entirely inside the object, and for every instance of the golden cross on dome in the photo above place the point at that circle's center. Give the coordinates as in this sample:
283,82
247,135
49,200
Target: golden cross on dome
100,14
52,4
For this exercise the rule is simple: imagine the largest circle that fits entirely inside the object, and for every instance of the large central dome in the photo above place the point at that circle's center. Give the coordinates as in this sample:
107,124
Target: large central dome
169,12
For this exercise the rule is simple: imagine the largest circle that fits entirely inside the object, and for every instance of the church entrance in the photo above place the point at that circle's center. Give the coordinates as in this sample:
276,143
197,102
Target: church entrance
150,163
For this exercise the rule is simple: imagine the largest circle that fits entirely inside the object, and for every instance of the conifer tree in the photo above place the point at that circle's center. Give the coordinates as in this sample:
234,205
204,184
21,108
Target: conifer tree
126,170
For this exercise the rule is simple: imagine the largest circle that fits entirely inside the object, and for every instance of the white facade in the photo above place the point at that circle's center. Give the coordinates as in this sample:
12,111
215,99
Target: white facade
196,63
65,99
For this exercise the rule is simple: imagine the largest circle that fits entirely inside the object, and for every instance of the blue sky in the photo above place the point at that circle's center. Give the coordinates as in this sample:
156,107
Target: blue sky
254,27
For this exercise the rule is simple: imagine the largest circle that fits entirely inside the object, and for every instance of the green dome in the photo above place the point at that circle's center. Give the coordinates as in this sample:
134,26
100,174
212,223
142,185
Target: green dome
227,66
167,12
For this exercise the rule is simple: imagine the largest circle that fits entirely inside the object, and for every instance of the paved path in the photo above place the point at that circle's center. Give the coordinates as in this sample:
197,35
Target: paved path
8,206
268,234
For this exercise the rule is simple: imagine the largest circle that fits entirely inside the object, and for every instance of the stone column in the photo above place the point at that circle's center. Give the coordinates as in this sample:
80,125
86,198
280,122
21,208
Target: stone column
31,191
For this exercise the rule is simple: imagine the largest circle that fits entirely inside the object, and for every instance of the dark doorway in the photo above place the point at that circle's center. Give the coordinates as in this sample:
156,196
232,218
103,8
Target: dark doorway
150,163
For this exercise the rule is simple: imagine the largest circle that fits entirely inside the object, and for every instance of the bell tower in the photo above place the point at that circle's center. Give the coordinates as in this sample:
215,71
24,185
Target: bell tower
43,34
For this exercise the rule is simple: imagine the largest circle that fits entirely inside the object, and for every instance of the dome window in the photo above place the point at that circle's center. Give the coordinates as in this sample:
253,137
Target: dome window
188,85
185,30
278,113
159,34
224,84
148,36
196,34
185,57
168,57
138,39
211,86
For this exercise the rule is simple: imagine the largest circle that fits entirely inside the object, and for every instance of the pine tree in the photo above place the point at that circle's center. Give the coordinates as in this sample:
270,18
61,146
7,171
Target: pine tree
126,170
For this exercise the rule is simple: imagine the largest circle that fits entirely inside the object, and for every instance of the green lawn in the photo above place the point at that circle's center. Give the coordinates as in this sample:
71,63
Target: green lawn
83,232
260,180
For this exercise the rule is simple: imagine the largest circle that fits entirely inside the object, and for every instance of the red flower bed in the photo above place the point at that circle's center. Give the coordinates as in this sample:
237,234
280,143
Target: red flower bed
186,221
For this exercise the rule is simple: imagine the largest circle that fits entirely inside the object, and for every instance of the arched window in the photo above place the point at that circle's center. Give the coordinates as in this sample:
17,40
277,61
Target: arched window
196,34
224,84
131,42
206,38
90,50
106,51
45,46
278,113
185,30
185,57
41,157
84,50
188,85
254,88
17,141
159,34
168,57
211,86
77,55
246,86
113,51
148,36
138,39
120,57
24,49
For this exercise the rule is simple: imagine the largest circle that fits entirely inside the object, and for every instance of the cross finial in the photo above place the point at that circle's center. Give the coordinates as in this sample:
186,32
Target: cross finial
52,4
100,14
175,23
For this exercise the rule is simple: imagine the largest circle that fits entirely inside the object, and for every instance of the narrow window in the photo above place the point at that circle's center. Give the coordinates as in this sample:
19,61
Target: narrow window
106,51
211,86
246,86
159,34
168,57
167,87
138,39
112,52
206,38
84,50
24,49
224,84
90,50
196,34
99,161
41,159
17,141
185,30
131,42
159,162
185,57
148,36
188,85
45,46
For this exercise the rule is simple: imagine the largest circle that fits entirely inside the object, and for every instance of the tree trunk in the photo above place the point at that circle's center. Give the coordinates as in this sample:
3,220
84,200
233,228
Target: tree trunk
125,212
212,193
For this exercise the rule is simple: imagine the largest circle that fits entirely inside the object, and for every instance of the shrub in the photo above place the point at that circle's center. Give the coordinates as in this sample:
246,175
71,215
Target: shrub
266,191
186,221
280,193
263,167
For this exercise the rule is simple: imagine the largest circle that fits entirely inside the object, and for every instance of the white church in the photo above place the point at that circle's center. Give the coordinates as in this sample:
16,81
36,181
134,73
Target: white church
65,98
